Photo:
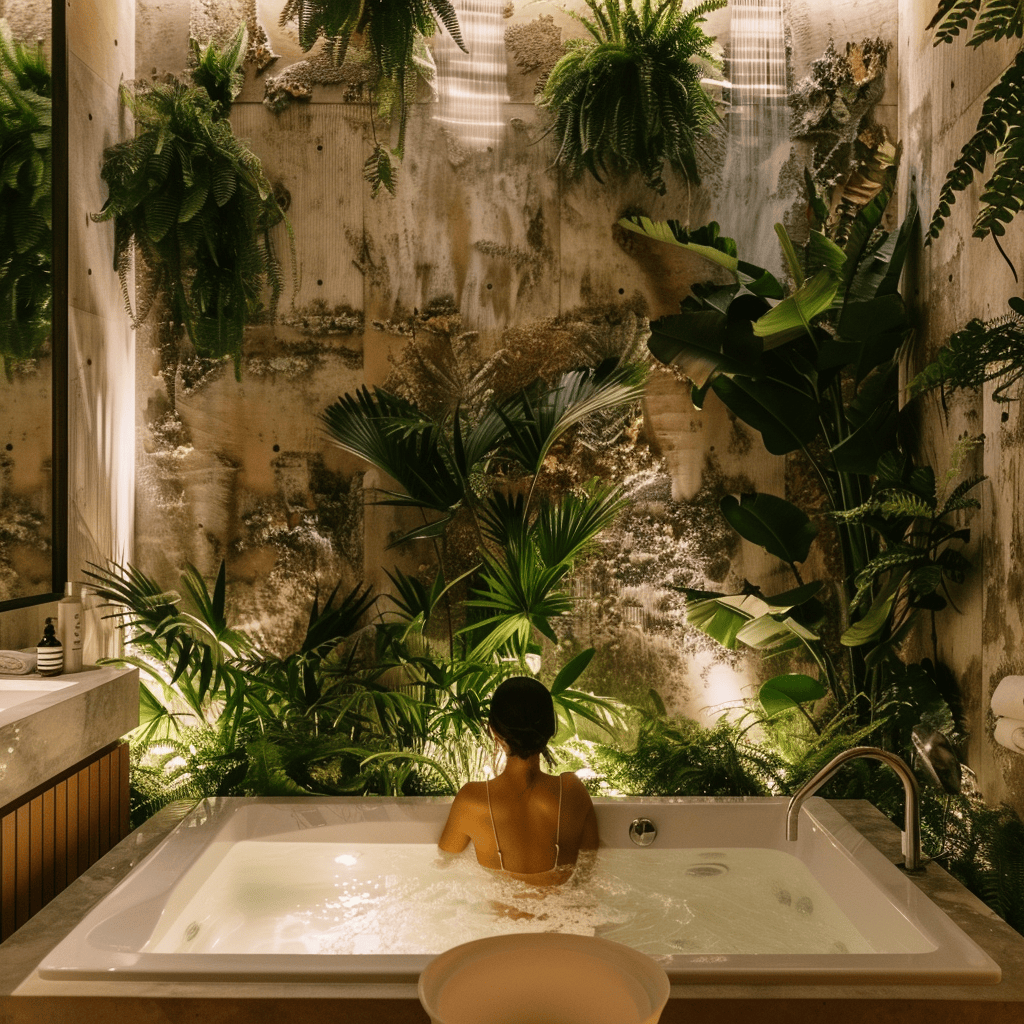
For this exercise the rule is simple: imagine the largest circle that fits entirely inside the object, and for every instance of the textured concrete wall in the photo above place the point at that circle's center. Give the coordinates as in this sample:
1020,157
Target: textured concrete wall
101,344
957,277
525,266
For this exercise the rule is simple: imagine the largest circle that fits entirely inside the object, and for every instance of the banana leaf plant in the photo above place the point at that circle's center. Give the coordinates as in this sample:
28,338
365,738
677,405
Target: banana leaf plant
815,371
26,292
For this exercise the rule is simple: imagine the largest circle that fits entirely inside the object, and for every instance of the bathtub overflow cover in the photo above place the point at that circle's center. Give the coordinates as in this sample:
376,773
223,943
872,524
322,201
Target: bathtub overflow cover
642,831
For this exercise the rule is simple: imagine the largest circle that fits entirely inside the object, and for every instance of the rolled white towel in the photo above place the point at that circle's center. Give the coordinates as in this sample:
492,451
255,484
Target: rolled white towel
17,663
1010,734
1008,698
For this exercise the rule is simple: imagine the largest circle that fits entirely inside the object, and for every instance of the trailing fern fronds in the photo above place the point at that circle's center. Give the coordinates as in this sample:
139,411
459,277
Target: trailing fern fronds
983,352
194,201
630,98
393,32
1000,129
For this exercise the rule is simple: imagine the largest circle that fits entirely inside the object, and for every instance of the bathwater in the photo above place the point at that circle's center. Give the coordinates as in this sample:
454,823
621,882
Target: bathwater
369,898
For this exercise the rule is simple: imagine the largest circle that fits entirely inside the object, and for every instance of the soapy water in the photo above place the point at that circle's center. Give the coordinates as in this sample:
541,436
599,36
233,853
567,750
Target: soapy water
368,898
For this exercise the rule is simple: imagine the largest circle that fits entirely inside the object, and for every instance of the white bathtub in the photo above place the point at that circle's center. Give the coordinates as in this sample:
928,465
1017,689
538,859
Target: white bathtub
261,889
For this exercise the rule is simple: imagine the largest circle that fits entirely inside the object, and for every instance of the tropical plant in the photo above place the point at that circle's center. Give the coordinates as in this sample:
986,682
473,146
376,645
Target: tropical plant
393,31
815,371
631,98
983,352
1000,128
488,471
26,296
194,201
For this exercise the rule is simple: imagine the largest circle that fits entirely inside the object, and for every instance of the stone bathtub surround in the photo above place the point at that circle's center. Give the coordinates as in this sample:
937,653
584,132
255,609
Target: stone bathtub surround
43,737
26,999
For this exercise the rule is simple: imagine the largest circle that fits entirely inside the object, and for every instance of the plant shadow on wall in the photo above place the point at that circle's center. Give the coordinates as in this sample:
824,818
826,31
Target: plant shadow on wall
192,200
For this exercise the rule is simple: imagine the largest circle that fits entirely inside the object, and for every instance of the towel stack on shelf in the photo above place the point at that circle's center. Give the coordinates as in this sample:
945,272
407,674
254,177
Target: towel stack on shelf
1008,707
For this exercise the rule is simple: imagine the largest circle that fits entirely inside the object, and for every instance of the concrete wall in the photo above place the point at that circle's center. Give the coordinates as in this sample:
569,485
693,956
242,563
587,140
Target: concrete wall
525,266
956,278
101,344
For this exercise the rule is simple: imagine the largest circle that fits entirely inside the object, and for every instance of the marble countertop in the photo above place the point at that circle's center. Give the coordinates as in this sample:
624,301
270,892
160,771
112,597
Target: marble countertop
22,993
48,725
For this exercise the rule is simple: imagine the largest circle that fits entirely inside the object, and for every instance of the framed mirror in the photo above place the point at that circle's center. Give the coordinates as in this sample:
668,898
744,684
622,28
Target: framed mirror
33,303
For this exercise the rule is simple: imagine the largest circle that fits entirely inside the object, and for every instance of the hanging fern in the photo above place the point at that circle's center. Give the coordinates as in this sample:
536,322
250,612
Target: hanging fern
630,98
981,353
26,296
1000,129
193,200
392,31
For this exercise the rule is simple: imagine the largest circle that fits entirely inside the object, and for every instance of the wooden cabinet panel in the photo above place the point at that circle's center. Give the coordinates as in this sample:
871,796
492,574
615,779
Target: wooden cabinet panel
52,835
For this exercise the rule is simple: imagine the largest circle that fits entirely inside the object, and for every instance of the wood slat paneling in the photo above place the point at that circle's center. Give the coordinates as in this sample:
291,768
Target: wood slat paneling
57,832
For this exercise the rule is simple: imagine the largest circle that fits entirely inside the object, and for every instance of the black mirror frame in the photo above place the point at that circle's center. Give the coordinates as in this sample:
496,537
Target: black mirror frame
59,331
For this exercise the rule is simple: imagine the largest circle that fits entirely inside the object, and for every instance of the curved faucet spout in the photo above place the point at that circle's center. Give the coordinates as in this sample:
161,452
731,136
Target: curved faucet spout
911,796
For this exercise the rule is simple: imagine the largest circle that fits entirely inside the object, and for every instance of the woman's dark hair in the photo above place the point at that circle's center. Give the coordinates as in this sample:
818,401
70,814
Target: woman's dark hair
523,715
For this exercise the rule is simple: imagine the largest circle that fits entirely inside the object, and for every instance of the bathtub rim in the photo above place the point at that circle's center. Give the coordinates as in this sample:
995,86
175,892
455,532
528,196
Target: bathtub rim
928,968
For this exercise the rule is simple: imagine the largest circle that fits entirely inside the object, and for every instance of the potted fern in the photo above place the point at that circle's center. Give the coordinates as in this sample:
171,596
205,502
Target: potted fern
630,97
393,31
26,296
194,201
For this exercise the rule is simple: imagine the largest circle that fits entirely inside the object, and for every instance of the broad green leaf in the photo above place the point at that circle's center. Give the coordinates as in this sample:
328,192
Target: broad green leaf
786,414
572,670
769,632
793,315
872,625
775,524
787,691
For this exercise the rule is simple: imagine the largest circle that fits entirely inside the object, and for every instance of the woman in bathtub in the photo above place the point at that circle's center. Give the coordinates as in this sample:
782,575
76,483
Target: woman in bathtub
525,824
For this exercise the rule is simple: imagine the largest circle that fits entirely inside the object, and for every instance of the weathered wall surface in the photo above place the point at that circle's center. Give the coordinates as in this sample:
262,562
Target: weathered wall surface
511,260
956,278
101,344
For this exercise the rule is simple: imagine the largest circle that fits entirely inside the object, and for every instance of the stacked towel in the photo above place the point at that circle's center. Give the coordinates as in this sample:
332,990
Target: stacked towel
17,663
1008,707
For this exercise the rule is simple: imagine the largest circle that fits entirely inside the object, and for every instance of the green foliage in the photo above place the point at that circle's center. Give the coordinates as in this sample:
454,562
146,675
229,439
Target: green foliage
193,200
26,244
393,31
983,352
917,560
985,850
679,757
221,74
630,98
817,373
458,466
373,707
1000,128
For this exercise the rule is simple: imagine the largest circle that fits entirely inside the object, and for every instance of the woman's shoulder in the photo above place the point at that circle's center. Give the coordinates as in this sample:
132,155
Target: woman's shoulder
472,793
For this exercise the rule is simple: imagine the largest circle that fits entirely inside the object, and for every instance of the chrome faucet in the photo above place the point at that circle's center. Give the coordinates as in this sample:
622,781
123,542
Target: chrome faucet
911,796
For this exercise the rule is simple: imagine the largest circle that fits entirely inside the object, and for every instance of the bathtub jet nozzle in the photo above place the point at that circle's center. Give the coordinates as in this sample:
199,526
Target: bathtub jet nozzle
911,796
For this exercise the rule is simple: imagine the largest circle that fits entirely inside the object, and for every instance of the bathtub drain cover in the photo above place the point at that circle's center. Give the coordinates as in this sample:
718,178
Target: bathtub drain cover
191,931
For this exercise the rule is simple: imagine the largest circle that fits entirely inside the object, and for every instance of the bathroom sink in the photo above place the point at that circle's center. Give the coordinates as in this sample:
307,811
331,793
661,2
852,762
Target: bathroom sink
26,688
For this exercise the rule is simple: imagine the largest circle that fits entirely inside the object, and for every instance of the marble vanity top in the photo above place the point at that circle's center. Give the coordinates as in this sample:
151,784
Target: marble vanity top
49,724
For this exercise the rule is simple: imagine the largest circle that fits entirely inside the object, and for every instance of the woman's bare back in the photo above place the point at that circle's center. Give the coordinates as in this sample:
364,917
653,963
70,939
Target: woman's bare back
522,813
